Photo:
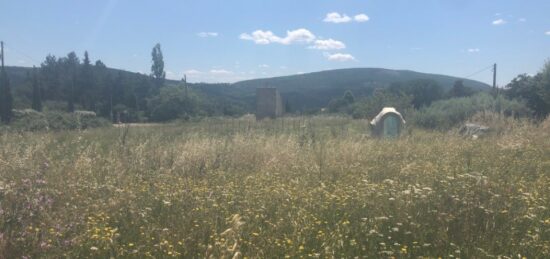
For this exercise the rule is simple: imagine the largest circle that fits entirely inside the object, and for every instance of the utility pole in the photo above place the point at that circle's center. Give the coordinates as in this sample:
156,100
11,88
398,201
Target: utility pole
495,76
2,53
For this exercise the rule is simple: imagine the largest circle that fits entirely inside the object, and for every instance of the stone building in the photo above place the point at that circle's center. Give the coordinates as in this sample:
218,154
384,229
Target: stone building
268,103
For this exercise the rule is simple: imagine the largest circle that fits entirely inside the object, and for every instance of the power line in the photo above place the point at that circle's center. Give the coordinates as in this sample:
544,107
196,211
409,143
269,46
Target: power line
22,53
473,74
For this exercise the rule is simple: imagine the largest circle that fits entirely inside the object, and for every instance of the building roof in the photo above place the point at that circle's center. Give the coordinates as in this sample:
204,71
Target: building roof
385,111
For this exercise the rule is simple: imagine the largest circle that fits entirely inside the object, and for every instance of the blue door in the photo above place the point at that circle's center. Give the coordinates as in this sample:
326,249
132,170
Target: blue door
391,127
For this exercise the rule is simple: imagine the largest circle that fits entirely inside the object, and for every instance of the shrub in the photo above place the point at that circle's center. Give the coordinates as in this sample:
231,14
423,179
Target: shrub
445,114
30,120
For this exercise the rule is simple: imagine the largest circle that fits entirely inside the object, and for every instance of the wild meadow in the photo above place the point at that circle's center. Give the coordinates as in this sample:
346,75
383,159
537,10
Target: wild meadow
294,188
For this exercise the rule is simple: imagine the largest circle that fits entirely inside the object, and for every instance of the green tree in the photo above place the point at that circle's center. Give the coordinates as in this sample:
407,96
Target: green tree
424,92
535,90
543,88
36,92
348,97
157,68
6,99
70,66
459,90
87,92
50,77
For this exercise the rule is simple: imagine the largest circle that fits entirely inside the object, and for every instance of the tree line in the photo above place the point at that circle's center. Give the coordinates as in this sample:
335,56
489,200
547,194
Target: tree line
70,83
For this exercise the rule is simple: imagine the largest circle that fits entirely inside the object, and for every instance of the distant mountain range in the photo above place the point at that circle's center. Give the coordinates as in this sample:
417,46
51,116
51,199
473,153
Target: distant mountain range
303,91
315,90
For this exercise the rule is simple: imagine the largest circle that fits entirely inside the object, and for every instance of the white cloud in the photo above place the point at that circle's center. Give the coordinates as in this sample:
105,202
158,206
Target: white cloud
522,20
283,67
547,33
263,66
335,17
361,17
473,50
267,37
328,44
192,72
499,22
339,57
220,72
207,34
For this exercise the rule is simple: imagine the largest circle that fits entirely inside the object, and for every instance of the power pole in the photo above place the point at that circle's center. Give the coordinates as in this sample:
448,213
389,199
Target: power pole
494,76
2,53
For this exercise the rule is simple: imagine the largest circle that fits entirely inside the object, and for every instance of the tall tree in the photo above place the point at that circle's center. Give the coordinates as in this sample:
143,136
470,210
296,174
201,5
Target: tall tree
50,77
6,99
70,64
88,94
36,92
157,68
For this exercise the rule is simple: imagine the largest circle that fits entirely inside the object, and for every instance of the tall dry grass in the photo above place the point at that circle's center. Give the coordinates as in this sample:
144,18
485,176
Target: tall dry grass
319,188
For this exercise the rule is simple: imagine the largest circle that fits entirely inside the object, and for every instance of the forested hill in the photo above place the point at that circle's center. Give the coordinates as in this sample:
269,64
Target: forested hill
352,78
300,92
315,90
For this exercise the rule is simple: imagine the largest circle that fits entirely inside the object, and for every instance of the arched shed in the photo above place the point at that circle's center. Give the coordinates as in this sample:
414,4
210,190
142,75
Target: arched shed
388,123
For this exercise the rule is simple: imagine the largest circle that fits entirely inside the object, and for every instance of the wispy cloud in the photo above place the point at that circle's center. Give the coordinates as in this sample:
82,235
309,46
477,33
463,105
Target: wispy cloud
499,22
192,72
266,37
207,34
522,20
361,18
335,17
220,72
339,57
327,44
473,50
263,66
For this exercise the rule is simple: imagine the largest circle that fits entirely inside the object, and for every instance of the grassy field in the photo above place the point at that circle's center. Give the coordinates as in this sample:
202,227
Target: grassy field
303,187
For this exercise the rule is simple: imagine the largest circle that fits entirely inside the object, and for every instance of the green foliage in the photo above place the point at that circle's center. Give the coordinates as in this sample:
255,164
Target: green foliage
173,102
370,106
342,104
459,90
535,90
422,91
6,98
31,120
348,97
157,68
36,92
445,114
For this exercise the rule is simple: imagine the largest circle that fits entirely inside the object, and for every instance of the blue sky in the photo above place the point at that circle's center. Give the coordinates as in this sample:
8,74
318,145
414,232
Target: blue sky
228,41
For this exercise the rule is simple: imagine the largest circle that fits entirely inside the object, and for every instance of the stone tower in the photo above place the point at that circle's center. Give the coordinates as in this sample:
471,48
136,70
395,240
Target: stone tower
268,103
